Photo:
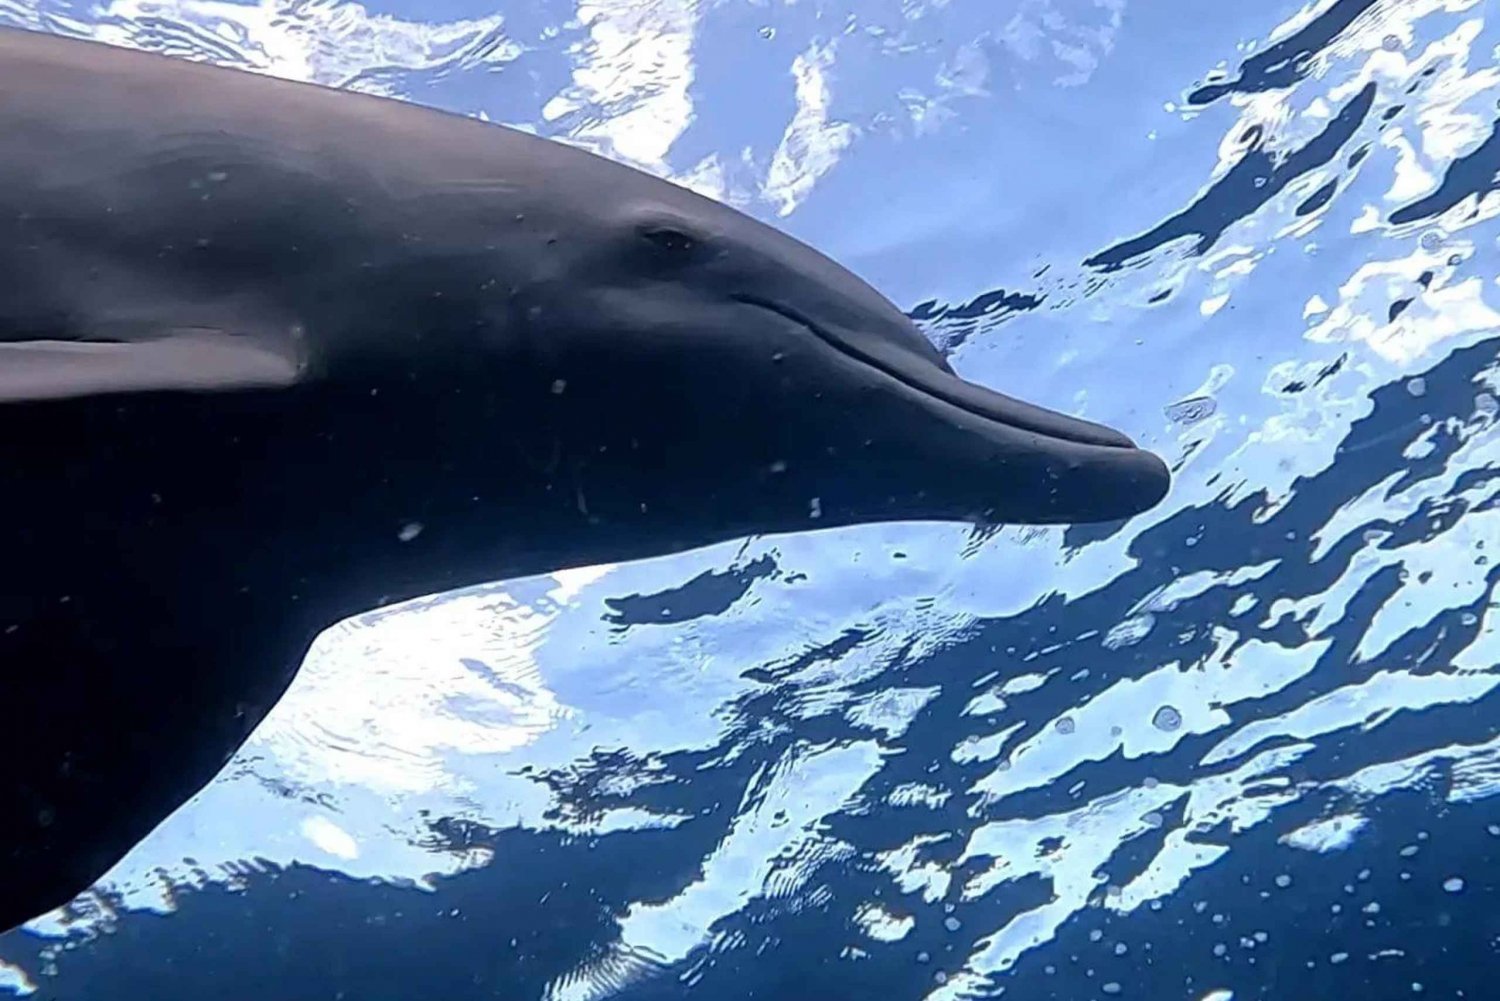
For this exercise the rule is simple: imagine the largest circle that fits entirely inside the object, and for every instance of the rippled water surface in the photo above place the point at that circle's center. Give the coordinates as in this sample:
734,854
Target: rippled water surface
1243,746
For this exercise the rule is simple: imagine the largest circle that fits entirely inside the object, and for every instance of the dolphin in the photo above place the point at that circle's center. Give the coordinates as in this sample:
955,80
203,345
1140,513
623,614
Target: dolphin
274,354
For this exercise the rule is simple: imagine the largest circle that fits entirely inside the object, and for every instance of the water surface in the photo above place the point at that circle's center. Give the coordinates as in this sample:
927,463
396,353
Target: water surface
1243,746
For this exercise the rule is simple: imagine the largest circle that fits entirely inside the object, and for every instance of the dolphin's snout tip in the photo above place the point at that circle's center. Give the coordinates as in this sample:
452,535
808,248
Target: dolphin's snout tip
1128,481
1155,477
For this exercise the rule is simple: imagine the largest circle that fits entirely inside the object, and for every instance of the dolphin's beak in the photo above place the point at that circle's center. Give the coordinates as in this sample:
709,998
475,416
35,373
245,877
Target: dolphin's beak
1019,414
1025,463
1052,468
1037,466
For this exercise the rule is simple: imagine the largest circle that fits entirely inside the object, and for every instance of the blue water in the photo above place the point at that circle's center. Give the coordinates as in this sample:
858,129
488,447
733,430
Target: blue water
1245,746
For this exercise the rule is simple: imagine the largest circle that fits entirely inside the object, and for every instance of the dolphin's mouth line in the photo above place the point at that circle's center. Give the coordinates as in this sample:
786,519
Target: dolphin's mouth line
968,397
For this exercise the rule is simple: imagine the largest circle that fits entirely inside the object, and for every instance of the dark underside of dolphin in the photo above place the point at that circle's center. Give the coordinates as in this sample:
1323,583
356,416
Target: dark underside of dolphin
272,355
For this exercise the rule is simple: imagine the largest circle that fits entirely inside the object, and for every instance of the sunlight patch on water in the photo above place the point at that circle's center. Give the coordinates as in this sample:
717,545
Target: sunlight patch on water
1329,835
330,838
332,43
631,94
774,825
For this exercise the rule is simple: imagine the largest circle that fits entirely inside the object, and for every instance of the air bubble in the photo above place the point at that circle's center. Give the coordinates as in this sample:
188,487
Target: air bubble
1417,386
1283,881
1065,725
952,923
1453,885
1167,719
1193,410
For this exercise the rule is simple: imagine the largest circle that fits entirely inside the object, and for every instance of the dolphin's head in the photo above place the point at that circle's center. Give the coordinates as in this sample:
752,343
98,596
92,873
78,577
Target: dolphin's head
763,382
733,362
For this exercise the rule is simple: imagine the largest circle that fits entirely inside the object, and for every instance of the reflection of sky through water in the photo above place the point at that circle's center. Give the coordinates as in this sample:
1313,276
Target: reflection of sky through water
901,761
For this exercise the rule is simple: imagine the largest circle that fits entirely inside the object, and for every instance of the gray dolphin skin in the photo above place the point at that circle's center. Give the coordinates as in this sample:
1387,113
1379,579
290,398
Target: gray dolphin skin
272,355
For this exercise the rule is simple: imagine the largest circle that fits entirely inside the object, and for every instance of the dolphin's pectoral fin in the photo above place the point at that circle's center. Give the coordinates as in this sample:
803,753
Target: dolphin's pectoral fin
192,359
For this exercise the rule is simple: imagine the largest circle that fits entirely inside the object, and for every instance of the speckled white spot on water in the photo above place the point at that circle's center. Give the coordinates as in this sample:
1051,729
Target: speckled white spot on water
409,531
1023,683
1332,834
1129,632
985,705
883,926
15,980
1454,884
330,837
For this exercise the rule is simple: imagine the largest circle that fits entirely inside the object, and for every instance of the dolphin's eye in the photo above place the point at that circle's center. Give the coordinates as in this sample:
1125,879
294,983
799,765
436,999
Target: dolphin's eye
672,243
